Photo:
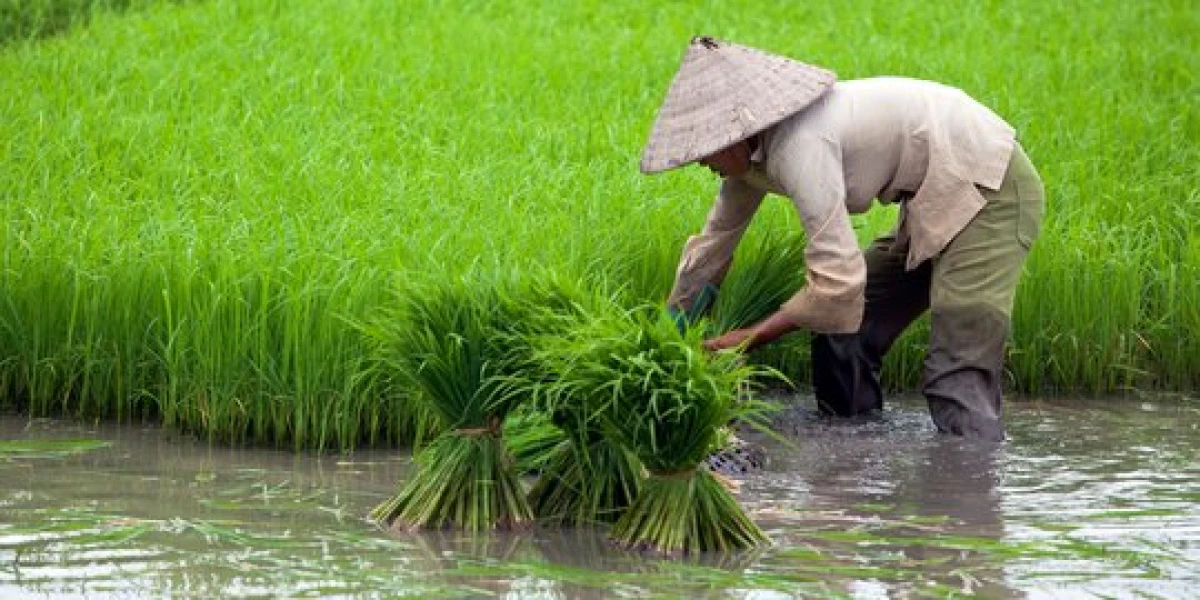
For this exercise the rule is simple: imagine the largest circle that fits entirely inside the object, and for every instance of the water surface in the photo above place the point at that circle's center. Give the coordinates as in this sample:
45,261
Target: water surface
1087,499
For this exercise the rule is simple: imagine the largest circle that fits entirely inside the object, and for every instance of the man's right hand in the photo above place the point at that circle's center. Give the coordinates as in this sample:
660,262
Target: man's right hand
764,332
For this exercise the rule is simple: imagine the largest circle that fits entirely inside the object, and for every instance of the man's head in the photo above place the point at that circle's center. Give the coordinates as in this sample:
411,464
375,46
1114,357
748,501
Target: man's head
731,161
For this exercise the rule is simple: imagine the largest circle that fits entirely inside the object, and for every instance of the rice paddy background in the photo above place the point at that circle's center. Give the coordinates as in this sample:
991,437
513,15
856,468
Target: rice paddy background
202,199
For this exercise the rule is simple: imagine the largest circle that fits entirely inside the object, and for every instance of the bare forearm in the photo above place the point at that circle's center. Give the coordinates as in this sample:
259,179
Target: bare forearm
771,328
763,332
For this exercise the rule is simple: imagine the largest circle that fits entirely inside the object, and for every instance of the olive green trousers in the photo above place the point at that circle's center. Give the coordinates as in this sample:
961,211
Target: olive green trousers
968,289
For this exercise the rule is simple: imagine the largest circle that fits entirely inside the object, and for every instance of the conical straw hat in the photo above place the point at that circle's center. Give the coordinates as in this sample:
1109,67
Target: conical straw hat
725,93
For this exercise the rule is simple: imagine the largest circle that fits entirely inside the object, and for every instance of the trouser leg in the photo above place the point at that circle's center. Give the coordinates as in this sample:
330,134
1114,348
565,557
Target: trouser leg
973,286
846,367
844,380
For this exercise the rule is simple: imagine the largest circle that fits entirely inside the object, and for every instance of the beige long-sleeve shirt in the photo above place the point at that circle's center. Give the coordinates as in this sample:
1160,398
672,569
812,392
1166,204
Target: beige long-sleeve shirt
884,139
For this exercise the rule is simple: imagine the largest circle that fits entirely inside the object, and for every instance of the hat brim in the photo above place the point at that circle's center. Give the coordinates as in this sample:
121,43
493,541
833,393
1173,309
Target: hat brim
725,93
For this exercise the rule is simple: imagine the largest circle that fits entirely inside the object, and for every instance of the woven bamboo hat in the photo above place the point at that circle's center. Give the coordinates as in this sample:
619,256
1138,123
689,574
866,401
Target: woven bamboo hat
725,93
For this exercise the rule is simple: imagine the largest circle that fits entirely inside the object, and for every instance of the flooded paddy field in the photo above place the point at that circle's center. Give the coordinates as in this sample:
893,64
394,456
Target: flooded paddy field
1087,499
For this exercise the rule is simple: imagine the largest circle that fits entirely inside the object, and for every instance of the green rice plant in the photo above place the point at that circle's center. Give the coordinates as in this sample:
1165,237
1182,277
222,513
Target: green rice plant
532,438
200,199
23,19
767,270
446,341
583,477
587,479
465,479
48,448
764,275
667,401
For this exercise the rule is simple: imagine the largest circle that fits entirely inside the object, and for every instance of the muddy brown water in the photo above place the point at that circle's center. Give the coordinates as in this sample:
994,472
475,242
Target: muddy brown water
1088,499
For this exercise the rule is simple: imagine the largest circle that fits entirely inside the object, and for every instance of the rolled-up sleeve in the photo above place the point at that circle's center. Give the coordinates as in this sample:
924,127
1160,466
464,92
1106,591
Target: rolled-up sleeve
707,256
809,170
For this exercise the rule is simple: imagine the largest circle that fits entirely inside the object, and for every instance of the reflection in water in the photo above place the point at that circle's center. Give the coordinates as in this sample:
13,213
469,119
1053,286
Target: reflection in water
586,565
958,481
875,491
1095,499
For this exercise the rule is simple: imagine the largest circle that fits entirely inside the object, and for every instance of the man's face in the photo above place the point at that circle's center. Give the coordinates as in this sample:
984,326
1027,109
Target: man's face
733,161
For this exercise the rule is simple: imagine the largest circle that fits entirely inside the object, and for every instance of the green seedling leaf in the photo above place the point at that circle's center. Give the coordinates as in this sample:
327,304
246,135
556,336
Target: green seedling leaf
48,448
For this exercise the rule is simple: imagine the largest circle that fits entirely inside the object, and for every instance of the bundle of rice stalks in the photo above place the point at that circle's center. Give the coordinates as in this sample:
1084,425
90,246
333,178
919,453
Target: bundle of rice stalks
448,341
587,479
665,399
532,438
763,277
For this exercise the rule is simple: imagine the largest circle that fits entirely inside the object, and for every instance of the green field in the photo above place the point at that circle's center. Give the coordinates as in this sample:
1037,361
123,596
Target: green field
203,199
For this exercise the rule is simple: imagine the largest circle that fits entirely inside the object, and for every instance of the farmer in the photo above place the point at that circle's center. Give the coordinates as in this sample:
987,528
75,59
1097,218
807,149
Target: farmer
970,208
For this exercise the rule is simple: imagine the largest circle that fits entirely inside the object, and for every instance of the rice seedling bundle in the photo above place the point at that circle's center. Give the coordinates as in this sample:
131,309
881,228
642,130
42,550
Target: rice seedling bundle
532,439
587,479
447,341
584,477
668,402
